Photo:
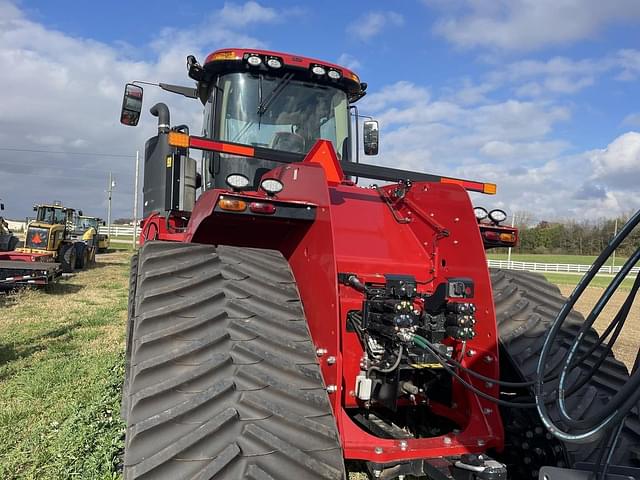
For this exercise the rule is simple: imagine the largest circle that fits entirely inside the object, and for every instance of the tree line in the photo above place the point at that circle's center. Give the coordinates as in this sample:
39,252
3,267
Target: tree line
575,237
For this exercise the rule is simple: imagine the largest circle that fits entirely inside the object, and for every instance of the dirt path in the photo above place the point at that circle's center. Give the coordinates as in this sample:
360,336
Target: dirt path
627,345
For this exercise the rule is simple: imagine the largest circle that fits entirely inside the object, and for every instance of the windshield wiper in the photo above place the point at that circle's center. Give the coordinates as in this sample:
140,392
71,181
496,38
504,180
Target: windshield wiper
264,104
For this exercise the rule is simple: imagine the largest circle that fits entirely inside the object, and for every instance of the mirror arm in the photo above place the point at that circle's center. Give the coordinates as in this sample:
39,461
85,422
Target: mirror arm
186,91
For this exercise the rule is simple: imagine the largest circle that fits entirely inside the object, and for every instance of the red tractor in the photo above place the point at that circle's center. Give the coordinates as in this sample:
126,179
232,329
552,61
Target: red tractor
290,323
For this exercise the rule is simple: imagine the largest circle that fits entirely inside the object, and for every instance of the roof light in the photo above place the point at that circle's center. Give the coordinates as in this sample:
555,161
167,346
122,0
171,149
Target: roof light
334,74
227,55
319,70
254,60
232,204
237,181
271,186
480,213
497,215
274,63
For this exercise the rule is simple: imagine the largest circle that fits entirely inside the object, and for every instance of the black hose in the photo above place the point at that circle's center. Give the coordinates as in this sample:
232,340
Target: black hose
586,430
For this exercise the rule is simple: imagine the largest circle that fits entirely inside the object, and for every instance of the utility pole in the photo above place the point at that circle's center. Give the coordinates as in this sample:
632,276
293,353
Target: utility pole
613,258
112,184
135,201
513,222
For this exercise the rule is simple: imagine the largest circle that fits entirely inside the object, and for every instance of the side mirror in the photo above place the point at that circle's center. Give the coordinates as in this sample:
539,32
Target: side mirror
131,105
1,206
104,224
371,137
35,208
80,213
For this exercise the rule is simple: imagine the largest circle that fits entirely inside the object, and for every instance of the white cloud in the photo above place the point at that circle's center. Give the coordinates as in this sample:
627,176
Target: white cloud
629,61
348,61
520,25
63,93
632,120
235,15
371,24
618,165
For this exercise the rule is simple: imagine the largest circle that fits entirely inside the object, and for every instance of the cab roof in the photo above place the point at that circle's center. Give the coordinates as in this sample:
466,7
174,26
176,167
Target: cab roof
235,59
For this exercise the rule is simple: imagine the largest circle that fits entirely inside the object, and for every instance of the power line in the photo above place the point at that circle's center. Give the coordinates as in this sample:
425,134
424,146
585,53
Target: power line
94,154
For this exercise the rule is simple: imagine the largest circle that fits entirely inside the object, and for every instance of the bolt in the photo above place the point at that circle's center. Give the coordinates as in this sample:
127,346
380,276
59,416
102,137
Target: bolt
481,443
321,351
403,445
456,219
488,384
456,431
471,352
488,359
332,388
525,446
331,360
352,393
528,434
487,411
455,242
447,440
378,450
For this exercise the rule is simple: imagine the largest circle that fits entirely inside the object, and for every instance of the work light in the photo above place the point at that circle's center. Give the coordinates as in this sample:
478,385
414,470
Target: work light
271,186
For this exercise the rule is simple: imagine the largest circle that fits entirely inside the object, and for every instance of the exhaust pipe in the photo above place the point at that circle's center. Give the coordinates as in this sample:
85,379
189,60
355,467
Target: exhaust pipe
161,111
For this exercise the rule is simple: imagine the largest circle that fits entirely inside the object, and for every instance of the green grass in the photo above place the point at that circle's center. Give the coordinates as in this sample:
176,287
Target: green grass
61,370
601,281
548,258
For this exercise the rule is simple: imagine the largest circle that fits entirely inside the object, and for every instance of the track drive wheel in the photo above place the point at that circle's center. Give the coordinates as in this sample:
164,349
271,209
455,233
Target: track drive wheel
526,305
222,378
67,257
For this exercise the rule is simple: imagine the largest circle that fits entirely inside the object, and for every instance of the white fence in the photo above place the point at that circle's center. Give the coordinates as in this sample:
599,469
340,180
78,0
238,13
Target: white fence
120,230
554,267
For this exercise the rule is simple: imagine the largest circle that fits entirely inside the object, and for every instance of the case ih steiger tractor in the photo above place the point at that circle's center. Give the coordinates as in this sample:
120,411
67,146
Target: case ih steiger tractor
291,324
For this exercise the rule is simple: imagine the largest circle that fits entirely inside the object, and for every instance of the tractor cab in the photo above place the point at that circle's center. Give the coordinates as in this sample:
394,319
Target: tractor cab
265,100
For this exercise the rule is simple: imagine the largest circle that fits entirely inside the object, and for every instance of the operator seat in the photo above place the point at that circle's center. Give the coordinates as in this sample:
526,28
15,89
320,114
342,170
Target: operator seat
287,141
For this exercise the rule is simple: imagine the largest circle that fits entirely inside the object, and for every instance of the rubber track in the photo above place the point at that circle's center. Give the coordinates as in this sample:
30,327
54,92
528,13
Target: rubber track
223,379
526,305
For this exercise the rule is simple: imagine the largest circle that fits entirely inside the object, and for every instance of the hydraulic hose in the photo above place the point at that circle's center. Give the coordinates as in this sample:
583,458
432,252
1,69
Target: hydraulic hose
587,430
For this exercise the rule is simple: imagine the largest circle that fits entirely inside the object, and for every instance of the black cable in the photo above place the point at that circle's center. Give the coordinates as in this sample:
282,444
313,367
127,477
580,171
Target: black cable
625,399
475,390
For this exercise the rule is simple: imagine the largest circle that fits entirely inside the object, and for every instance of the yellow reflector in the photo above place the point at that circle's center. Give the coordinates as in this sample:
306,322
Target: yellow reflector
177,139
507,237
169,161
232,204
354,77
229,55
489,188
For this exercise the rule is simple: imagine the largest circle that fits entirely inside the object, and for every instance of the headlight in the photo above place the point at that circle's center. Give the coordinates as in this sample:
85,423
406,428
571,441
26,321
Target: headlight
254,60
480,213
271,186
237,181
318,70
497,215
334,74
274,63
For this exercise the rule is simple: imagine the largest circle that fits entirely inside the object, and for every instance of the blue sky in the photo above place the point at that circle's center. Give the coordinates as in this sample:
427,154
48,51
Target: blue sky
539,96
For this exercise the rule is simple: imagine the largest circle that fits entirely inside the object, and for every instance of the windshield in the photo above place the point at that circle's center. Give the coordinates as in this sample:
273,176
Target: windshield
51,215
88,223
282,113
